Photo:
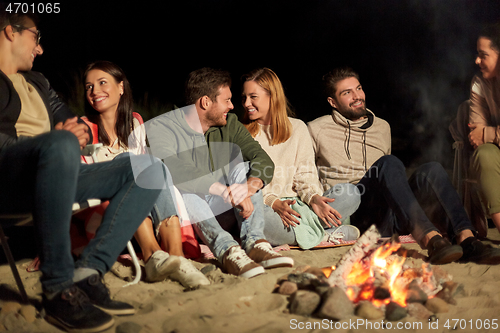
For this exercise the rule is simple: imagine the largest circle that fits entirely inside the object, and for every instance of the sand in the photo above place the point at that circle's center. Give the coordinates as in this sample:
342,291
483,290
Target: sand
233,304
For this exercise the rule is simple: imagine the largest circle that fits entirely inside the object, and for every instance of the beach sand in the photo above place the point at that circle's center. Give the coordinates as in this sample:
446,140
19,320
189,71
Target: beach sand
233,304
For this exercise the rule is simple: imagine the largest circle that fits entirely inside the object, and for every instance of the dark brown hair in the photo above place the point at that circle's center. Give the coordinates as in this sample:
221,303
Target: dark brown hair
124,118
331,79
205,82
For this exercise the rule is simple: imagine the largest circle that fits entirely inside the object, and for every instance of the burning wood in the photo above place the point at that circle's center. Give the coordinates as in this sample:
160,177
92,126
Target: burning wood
376,274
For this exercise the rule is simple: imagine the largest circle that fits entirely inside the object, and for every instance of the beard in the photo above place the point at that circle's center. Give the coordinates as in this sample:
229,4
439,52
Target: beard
215,119
353,113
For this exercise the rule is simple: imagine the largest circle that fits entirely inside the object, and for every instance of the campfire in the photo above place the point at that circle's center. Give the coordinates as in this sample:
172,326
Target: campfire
373,280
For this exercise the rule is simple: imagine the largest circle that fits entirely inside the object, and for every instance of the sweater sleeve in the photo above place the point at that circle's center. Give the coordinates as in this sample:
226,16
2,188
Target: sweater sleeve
306,180
480,112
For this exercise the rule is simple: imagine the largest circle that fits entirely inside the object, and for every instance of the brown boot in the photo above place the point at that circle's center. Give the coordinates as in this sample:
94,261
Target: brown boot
441,251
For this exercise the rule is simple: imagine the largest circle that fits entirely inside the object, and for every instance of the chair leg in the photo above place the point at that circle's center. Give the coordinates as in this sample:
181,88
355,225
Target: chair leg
137,266
13,267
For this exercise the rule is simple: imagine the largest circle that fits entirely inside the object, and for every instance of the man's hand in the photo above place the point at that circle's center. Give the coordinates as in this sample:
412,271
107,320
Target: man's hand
476,135
282,208
246,208
79,130
325,212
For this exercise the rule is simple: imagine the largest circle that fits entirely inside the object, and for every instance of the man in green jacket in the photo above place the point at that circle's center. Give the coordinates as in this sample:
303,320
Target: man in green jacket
218,166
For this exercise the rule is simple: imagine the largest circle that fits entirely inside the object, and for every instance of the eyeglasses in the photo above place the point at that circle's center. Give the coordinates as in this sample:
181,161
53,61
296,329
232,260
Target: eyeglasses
38,34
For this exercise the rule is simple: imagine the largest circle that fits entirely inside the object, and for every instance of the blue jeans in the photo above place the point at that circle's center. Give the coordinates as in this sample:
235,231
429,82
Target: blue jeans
347,200
426,202
43,175
211,231
165,206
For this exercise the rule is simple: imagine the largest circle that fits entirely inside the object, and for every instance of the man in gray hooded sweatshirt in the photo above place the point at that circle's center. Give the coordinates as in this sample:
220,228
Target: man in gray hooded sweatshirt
353,145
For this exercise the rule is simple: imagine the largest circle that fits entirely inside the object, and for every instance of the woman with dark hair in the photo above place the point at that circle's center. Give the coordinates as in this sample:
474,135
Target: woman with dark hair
113,123
296,209
484,120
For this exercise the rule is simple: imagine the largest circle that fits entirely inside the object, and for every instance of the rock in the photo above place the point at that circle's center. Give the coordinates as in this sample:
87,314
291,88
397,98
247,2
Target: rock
437,305
415,294
367,310
287,288
440,275
381,293
304,302
394,312
10,307
315,271
128,327
446,294
303,280
28,312
208,268
14,322
419,311
336,305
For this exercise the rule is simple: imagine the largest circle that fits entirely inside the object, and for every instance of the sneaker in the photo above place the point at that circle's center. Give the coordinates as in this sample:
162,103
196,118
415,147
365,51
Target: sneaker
237,262
262,253
342,233
160,265
441,251
188,275
72,311
98,294
477,252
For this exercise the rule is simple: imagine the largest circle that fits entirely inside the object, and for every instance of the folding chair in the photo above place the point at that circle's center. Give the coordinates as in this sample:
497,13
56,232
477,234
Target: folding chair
26,219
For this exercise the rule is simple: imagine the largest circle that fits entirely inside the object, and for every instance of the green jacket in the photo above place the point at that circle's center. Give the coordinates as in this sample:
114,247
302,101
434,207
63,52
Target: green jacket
196,161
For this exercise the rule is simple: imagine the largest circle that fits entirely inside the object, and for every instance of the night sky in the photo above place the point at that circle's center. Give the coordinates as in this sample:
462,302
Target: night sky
415,57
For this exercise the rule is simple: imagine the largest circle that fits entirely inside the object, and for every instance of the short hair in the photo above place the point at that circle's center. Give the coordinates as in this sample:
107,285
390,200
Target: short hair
205,82
492,32
15,19
331,79
278,105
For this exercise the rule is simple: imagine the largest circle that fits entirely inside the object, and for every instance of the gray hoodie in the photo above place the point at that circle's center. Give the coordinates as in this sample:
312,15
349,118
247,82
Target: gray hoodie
345,149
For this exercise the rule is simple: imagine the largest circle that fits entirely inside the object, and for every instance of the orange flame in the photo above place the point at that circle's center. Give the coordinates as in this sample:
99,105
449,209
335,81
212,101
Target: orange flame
362,276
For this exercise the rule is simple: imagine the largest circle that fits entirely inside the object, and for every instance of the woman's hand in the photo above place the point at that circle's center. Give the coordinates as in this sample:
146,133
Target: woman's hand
325,212
282,208
476,137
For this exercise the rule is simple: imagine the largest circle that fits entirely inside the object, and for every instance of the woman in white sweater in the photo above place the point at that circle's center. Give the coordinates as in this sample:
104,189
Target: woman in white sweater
296,209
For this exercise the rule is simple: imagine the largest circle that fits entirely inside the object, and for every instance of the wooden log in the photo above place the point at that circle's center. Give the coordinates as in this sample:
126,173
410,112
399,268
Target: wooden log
364,245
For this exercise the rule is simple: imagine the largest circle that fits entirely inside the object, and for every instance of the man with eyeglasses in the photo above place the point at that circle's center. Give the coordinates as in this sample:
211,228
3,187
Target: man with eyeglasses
41,173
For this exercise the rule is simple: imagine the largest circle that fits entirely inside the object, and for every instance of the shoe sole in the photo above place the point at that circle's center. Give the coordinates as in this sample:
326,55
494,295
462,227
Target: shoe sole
57,322
253,272
277,262
446,258
117,312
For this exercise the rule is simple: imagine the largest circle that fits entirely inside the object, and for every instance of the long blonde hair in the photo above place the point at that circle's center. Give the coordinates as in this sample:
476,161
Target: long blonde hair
278,106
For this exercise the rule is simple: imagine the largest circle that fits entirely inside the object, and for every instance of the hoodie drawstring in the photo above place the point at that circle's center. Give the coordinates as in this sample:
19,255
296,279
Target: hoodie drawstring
347,142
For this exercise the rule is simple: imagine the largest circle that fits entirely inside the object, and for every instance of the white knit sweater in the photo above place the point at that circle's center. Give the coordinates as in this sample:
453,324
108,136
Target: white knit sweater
295,173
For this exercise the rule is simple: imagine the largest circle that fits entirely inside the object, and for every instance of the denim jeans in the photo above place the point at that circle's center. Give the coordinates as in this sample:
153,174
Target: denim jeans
211,230
43,175
426,202
347,200
165,206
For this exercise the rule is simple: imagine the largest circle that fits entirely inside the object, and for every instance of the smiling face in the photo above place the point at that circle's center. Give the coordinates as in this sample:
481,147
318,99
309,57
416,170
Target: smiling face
256,102
25,48
349,99
216,114
487,58
102,91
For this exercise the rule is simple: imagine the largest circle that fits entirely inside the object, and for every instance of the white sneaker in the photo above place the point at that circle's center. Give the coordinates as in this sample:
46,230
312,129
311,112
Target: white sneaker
342,233
188,275
263,254
160,266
